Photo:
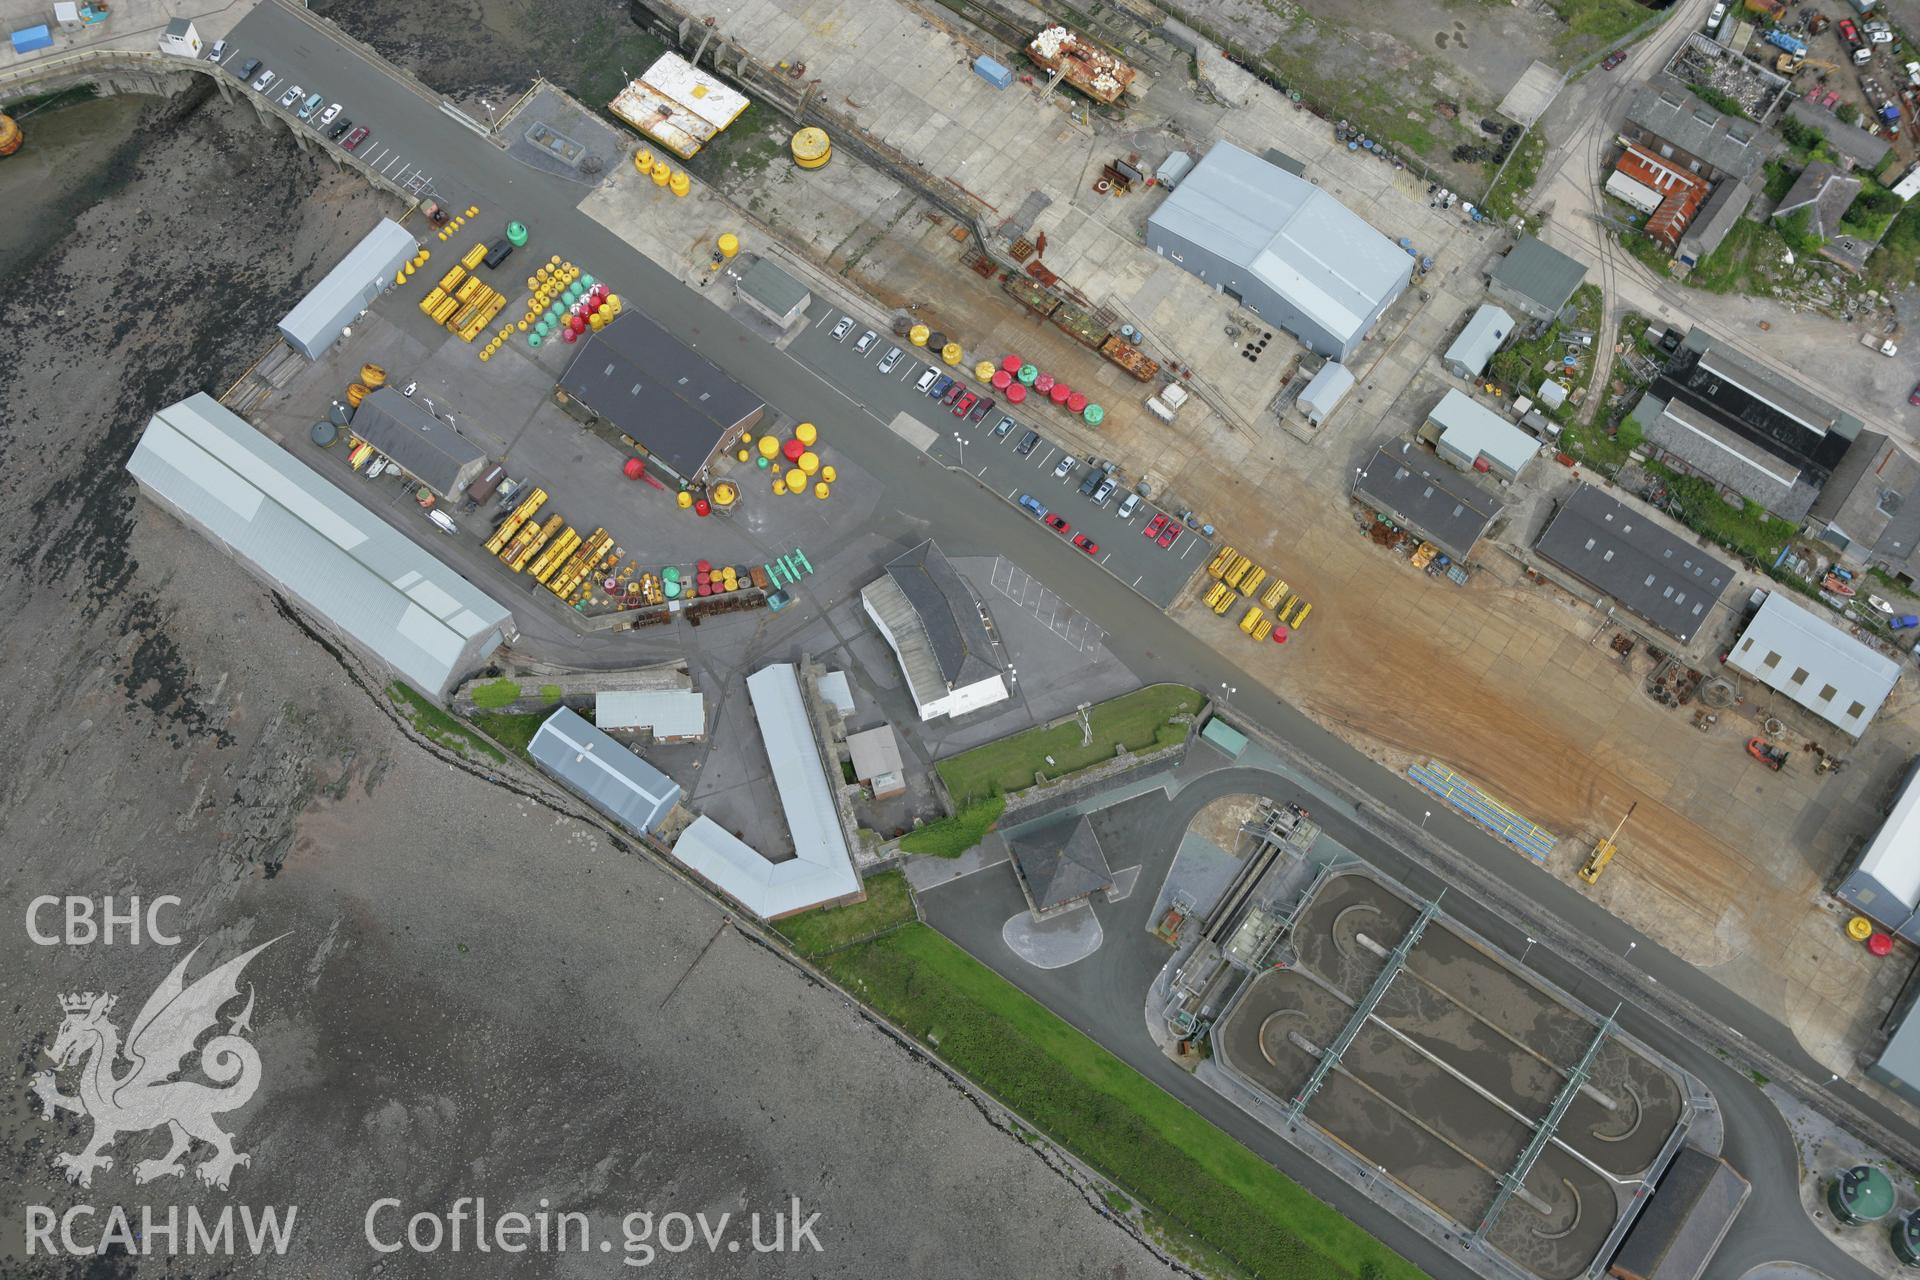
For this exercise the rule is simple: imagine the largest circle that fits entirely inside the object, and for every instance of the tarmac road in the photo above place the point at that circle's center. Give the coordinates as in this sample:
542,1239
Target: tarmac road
969,520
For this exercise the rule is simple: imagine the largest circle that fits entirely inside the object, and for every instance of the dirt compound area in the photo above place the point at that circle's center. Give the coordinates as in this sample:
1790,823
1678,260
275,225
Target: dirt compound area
1441,1087
467,991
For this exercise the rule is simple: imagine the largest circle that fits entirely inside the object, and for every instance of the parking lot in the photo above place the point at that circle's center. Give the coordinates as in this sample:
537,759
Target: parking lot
977,444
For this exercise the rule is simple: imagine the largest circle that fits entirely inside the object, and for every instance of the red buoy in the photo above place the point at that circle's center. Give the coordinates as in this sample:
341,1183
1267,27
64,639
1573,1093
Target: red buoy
701,507
793,449
1016,394
1059,393
1011,364
634,468
1880,944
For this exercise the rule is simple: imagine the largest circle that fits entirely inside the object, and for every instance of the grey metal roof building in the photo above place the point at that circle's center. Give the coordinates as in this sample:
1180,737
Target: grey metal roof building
1676,126
638,378
769,290
1652,573
1282,247
1898,1065
1865,149
1484,333
316,321
1815,664
1884,883
821,869
1724,207
1536,279
1447,510
294,529
426,448
671,715
1473,437
1060,864
1324,393
1859,511
607,775
932,621
1681,1227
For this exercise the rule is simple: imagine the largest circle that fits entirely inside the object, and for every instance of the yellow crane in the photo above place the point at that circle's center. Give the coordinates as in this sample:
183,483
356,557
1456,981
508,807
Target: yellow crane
1603,850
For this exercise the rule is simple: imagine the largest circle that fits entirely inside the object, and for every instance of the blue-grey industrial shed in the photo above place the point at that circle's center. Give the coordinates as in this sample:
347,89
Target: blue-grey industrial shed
317,320
1884,884
1282,247
611,778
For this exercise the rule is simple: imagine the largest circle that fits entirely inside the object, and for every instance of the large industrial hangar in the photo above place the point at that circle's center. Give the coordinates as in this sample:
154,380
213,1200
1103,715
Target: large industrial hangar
300,533
1527,1125
1281,246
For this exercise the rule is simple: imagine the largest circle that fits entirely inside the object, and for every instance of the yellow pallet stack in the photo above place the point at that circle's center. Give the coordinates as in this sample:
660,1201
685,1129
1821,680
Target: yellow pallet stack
451,280
1276,592
1221,597
568,579
557,551
475,256
1252,619
1217,566
533,544
1251,583
511,525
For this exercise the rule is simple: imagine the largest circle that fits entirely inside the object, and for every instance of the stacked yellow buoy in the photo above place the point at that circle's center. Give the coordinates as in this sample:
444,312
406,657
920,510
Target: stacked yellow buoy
797,480
374,376
729,244
951,353
811,147
355,394
679,183
810,462
684,499
983,371
643,161
918,335
661,172
807,434
828,474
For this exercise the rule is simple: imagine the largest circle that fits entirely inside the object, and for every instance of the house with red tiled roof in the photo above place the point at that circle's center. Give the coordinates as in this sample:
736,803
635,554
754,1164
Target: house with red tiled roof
1679,192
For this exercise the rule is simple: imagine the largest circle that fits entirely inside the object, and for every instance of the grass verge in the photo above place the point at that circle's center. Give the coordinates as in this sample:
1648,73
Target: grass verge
951,837
1504,198
1138,720
510,728
1190,1177
438,726
827,929
1746,528
495,694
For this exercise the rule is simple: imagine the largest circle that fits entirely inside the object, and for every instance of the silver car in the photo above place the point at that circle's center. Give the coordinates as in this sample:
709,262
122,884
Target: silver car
327,117
889,360
1126,507
290,97
842,329
866,342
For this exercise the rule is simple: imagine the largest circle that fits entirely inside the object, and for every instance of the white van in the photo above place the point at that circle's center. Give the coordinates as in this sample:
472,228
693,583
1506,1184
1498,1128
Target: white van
444,520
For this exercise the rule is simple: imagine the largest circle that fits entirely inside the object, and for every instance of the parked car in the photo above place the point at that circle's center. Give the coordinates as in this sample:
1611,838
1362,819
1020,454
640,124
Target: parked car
217,52
964,405
953,392
890,360
1092,481
1880,37
1086,544
841,330
290,97
1913,396
328,116
1715,18
355,138
927,379
866,342
261,81
1002,427
1104,492
1905,622
1031,505
981,410
339,130
941,385
1028,443
1169,535
246,70
1065,465
311,105
1613,59
1059,525
1127,506
1154,526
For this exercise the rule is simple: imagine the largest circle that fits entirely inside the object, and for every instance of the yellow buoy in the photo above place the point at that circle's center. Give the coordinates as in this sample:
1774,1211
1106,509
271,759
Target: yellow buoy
473,211
399,277
523,325
951,353
684,498
811,147
355,394
742,456
643,160
1859,928
769,447
554,260
729,244
821,490
486,356
373,375
984,371
806,434
661,172
680,183
828,474
809,462
596,322
797,480
918,335
779,486
723,495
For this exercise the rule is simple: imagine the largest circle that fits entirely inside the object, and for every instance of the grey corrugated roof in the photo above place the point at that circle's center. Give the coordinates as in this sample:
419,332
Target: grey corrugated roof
1859,146
1626,554
653,387
1473,429
1716,218
1308,247
1713,451
669,713
1690,1213
1867,489
425,447
1675,116
1447,509
296,529
617,782
1489,327
314,323
948,611
1802,656
875,752
771,286
1061,863
1328,387
1538,271
1824,192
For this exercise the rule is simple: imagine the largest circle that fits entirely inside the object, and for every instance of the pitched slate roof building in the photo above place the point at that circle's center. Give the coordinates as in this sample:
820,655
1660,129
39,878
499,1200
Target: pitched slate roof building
1443,507
1674,125
937,630
1060,864
426,448
294,529
1655,575
1535,279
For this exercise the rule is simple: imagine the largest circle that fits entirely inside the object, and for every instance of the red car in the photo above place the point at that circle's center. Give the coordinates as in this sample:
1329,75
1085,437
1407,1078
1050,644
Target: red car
1154,526
1059,525
1849,32
1170,536
1086,544
1614,59
1913,396
964,404
354,139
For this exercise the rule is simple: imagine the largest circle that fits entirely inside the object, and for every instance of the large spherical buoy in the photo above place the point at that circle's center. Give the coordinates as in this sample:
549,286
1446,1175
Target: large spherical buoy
683,499
1002,380
634,468
1880,945
918,335
797,480
729,244
1076,401
1012,364
1027,374
1859,928
1042,382
806,433
643,160
822,491
1017,393
742,456
10,135
810,462
768,446
811,147
517,234
724,494
829,473
1093,414
793,449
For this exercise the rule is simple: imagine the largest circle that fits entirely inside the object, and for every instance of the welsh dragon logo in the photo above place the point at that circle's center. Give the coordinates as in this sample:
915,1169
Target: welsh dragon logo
147,1094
